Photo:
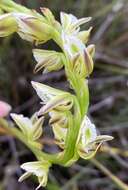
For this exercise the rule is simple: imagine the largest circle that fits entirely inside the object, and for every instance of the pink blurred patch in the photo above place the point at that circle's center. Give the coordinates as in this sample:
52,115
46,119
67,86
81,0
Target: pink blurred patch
4,109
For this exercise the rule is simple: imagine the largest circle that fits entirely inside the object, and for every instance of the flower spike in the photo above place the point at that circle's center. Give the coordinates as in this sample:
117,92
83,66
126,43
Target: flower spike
74,134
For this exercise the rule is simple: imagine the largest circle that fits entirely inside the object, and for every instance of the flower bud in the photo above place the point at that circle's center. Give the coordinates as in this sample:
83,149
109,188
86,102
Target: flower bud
60,118
91,50
59,135
8,25
88,61
48,15
12,6
37,129
32,28
48,60
81,60
32,131
84,35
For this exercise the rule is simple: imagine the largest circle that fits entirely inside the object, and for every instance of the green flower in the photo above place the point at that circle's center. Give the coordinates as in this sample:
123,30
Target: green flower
8,25
58,117
60,124
79,55
33,29
39,169
70,23
71,26
48,60
50,18
84,35
31,128
52,98
60,134
88,140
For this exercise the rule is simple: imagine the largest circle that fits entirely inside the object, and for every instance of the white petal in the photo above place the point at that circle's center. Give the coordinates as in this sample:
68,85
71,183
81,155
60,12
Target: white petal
46,92
86,127
39,168
67,20
34,167
23,123
24,176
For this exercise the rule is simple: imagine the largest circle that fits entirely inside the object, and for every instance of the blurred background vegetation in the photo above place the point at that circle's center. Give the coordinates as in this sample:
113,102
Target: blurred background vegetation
108,102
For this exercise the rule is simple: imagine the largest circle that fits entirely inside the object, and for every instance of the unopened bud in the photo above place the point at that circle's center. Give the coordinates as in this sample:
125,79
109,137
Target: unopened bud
84,35
91,49
48,60
33,29
8,25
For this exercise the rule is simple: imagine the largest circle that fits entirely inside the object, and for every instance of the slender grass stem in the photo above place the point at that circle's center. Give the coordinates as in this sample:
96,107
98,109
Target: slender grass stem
115,179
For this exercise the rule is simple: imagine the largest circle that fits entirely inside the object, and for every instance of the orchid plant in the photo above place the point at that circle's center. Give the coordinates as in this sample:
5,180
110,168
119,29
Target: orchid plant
74,133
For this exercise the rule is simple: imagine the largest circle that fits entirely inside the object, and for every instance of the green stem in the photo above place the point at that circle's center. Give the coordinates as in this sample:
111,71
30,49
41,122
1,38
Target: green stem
19,135
9,6
80,85
81,102
53,158
73,131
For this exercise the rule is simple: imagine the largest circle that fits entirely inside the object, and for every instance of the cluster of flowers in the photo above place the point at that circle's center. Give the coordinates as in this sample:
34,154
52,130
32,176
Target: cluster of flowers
73,131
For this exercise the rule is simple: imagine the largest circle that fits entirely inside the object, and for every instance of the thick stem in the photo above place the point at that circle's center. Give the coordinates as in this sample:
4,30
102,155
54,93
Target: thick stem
73,131
81,102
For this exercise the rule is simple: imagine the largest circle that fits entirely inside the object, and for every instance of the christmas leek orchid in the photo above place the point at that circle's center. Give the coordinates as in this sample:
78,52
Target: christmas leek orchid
48,60
73,132
79,55
31,128
53,98
30,28
39,169
89,141
71,24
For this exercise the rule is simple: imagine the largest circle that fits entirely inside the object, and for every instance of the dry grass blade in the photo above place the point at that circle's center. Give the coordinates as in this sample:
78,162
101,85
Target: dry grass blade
115,179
